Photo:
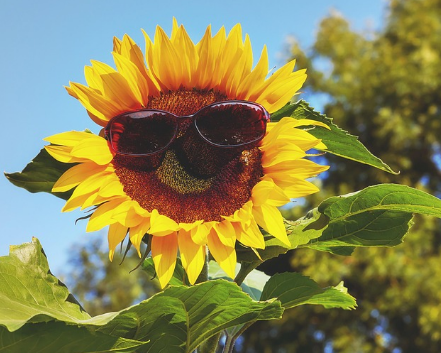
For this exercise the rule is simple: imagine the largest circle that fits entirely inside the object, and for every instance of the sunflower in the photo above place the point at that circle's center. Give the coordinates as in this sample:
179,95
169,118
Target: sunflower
197,195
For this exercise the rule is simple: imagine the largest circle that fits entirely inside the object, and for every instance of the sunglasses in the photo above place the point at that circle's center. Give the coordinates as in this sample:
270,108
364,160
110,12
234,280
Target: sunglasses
228,124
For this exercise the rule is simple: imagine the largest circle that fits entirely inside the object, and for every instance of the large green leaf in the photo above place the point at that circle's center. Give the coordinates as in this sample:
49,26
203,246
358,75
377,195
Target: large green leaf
61,338
337,141
379,215
293,289
390,197
30,293
38,313
218,305
41,174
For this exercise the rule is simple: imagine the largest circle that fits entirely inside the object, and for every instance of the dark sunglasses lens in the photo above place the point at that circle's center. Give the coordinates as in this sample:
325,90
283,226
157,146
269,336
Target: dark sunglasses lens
142,133
232,124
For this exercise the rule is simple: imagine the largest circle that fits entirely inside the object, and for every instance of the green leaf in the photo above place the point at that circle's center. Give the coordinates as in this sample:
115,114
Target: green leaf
293,289
37,311
41,174
380,215
393,197
61,338
337,141
181,318
370,228
217,305
30,293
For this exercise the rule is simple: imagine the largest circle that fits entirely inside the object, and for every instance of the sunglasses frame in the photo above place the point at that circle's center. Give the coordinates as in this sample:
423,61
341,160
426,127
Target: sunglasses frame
179,119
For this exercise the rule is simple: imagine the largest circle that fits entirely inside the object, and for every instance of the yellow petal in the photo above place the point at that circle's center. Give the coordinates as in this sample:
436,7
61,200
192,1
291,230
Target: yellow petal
267,192
87,187
242,67
136,81
170,69
250,235
206,61
255,78
189,226
116,45
226,233
101,107
162,225
103,216
199,234
224,255
115,87
192,255
217,49
189,56
295,187
69,138
270,219
164,252
126,213
131,51
62,154
137,233
116,235
112,188
76,201
93,148
75,175
276,96
231,55
301,168
93,79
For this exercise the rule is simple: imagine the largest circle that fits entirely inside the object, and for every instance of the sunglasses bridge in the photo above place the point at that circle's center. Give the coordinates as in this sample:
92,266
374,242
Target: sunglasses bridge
226,125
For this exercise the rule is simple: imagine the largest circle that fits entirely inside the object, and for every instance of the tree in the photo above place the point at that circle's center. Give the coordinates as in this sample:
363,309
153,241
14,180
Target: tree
385,88
105,286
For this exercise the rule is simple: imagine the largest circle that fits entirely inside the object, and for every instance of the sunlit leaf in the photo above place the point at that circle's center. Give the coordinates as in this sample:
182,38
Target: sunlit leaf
30,293
293,289
62,338
337,141
41,174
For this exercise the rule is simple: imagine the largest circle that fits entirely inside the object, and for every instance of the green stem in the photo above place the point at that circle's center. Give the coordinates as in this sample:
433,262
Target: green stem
231,340
210,345
245,269
229,344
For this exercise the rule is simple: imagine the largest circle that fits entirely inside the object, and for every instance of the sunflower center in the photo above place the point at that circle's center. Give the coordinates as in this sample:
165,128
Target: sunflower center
192,180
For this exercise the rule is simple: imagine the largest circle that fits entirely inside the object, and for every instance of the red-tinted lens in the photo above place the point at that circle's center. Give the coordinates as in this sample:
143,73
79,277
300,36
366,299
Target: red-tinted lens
232,123
141,133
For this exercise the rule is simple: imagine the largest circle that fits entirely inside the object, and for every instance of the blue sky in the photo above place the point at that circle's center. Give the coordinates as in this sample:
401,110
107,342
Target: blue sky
47,43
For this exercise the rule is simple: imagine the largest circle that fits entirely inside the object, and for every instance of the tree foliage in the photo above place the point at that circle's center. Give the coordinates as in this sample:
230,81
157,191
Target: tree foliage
383,86
103,286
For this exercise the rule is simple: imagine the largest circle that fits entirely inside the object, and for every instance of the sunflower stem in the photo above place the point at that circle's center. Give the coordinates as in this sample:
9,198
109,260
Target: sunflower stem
245,269
231,340
210,345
